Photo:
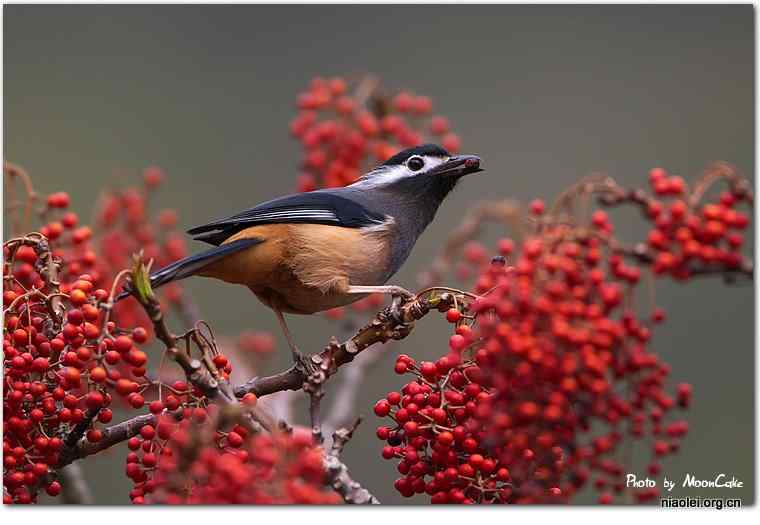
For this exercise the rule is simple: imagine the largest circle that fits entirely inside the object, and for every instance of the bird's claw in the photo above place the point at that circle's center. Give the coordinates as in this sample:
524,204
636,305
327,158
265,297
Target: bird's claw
303,362
396,303
402,293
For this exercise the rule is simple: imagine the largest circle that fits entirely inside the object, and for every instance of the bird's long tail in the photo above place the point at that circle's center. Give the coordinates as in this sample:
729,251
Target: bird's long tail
193,264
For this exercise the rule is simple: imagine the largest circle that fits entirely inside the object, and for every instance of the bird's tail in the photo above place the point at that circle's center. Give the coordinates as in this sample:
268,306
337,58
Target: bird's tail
192,264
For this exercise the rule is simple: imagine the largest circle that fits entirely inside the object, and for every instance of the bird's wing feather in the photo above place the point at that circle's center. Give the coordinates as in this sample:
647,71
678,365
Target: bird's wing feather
317,207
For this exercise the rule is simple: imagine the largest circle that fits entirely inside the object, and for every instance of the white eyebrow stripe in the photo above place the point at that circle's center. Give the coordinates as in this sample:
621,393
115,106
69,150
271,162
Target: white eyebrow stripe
384,175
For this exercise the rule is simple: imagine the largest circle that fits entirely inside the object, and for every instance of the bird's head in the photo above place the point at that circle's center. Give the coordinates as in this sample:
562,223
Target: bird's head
427,167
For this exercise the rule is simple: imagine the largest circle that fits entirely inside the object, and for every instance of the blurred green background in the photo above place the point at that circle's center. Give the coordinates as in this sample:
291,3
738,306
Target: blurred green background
545,94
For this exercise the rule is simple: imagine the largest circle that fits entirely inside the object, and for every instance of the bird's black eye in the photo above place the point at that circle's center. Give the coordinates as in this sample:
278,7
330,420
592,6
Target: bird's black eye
415,163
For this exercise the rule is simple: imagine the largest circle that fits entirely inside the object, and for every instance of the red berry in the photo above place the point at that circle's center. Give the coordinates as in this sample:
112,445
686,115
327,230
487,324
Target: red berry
382,408
453,315
537,207
457,343
53,489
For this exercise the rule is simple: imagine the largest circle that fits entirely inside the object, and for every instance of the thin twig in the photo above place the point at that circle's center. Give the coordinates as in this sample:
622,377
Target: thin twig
201,373
13,170
505,211
337,472
112,435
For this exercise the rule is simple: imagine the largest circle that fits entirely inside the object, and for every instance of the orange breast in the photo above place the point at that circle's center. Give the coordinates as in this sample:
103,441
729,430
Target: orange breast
307,268
256,264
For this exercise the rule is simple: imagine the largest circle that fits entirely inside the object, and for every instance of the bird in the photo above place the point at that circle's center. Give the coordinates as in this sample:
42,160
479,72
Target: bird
314,251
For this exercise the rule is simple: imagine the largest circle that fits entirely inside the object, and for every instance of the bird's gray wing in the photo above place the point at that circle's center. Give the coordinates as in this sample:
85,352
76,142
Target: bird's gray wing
316,207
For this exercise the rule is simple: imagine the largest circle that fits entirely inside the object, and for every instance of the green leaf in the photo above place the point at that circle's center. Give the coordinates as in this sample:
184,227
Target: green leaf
141,280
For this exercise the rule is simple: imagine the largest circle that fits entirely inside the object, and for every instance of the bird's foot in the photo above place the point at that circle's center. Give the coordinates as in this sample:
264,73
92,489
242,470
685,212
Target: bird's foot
401,292
397,301
302,361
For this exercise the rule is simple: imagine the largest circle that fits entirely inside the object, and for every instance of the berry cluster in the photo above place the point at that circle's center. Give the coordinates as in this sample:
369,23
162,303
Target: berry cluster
685,232
551,375
439,429
346,127
123,226
239,467
549,378
183,408
64,360
70,353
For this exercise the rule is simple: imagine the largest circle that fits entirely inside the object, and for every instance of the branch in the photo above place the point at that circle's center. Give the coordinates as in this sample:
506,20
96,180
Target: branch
76,434
313,386
385,326
722,171
200,372
18,225
112,435
337,472
394,322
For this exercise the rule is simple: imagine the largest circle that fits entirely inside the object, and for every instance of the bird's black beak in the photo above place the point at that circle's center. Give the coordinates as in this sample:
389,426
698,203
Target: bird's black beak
458,166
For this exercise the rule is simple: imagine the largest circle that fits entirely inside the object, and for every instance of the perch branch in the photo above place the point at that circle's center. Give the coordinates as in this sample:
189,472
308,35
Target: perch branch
382,328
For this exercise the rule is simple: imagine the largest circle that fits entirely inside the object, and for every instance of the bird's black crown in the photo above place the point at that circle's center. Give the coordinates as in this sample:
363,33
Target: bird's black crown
432,150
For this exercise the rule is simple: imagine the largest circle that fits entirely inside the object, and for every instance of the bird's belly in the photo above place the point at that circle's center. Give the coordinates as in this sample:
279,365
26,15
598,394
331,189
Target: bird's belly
303,299
321,264
288,291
